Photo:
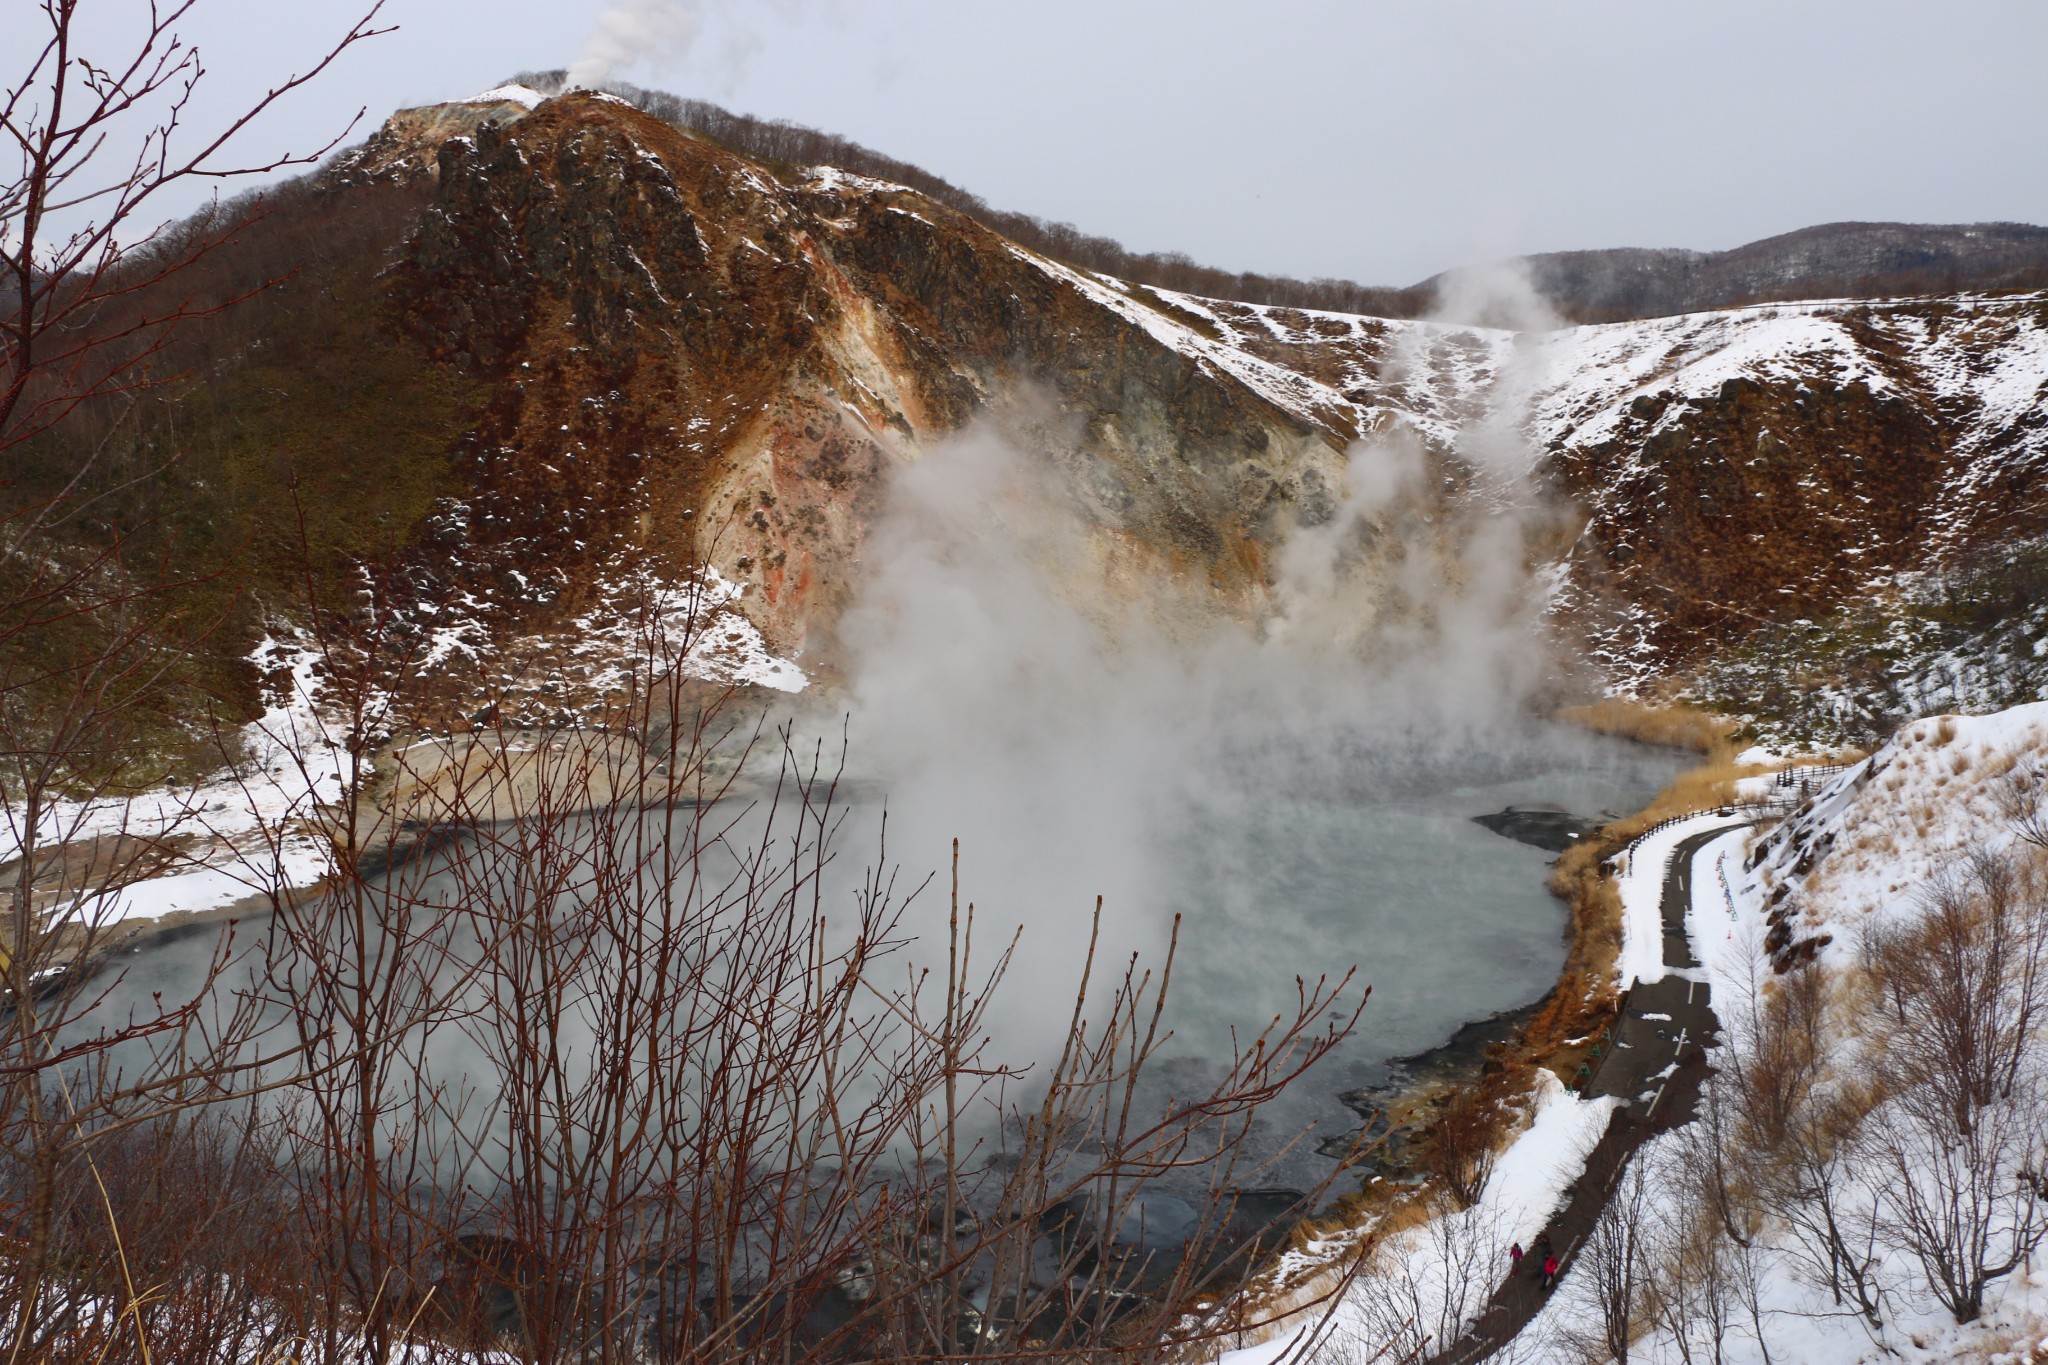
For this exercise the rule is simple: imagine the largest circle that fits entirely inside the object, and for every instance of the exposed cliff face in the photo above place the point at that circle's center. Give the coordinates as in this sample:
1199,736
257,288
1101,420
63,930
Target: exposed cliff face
697,359
1769,465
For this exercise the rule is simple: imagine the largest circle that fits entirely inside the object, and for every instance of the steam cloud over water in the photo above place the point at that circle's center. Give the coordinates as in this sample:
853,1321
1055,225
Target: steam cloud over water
1299,789
1295,782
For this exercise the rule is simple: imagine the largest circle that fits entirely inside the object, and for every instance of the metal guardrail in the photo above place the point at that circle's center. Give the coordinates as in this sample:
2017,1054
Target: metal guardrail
1796,784
1811,776
1756,809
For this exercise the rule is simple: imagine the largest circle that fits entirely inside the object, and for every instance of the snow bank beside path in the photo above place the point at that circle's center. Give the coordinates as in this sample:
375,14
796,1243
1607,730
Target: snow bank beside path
1725,932
1526,1188
1639,880
1855,854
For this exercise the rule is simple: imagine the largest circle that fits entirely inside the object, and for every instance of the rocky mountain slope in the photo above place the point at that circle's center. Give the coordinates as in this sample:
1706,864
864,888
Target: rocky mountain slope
785,337
684,371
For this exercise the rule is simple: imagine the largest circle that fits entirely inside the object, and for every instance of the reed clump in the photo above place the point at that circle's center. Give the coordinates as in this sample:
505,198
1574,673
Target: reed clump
1585,998
1674,725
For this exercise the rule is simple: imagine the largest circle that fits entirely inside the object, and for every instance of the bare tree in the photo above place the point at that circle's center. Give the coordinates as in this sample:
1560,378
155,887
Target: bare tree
1961,1134
73,1075
2022,796
1708,1279
1423,1288
1464,1141
1611,1283
1802,1126
90,640
99,138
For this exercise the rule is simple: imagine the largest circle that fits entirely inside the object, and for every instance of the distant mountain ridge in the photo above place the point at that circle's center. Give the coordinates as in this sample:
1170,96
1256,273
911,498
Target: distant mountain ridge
1834,260
1619,284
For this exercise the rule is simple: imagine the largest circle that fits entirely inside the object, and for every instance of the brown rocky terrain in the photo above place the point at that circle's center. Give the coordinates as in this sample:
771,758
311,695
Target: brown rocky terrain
691,360
664,355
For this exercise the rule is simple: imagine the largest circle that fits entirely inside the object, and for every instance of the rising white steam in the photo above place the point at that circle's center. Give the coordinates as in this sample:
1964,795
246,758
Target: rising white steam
1024,698
658,32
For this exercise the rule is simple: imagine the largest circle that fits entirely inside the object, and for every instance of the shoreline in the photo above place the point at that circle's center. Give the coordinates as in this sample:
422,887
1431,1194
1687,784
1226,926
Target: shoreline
1394,1113
1552,1032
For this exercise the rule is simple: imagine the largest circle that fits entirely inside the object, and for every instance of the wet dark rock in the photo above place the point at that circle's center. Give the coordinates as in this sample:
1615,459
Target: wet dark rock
1550,828
1455,1061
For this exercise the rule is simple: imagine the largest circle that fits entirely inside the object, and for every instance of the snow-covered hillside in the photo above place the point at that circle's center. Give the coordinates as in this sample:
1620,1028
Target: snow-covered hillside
1855,862
1867,844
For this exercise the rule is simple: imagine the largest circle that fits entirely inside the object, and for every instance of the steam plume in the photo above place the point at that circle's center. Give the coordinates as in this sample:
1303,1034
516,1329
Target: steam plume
659,31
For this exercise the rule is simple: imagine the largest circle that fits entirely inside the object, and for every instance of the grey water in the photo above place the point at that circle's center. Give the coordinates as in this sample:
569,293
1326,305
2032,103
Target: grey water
1445,919
1308,858
1294,851
1380,866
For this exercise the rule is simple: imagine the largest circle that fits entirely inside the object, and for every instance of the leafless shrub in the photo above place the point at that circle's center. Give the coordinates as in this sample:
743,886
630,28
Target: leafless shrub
1802,1127
1960,1136
1422,1288
99,132
1710,1266
1609,1291
1464,1142
95,1108
2022,795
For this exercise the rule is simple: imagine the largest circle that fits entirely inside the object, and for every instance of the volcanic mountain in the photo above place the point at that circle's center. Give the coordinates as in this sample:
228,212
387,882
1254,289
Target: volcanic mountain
622,354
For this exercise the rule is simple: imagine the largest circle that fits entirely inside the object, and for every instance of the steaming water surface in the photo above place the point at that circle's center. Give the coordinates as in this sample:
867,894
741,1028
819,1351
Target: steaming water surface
1308,857
1294,850
1446,920
1380,866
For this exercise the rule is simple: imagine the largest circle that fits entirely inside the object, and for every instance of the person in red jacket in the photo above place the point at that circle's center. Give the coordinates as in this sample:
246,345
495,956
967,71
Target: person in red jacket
1549,1270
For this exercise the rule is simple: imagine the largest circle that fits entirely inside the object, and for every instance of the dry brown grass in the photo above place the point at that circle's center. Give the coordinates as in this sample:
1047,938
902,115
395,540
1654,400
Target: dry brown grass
1584,1000
1675,726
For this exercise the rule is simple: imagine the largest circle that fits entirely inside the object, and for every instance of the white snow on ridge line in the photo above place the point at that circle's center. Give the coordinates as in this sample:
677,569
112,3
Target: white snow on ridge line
1285,388
510,93
1573,384
833,178
1599,369
1990,355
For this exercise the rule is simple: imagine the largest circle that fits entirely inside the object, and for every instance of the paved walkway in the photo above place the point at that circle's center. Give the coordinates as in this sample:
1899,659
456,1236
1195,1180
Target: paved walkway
1662,1023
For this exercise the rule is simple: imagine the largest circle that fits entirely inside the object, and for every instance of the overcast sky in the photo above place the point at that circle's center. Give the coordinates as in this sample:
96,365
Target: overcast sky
1379,142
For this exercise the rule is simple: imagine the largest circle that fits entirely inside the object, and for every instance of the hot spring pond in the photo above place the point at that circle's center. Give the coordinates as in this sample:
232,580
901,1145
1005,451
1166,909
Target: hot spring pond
1287,860
1307,857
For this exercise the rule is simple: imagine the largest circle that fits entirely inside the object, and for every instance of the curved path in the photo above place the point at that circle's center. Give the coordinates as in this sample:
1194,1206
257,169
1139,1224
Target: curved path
1655,1067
